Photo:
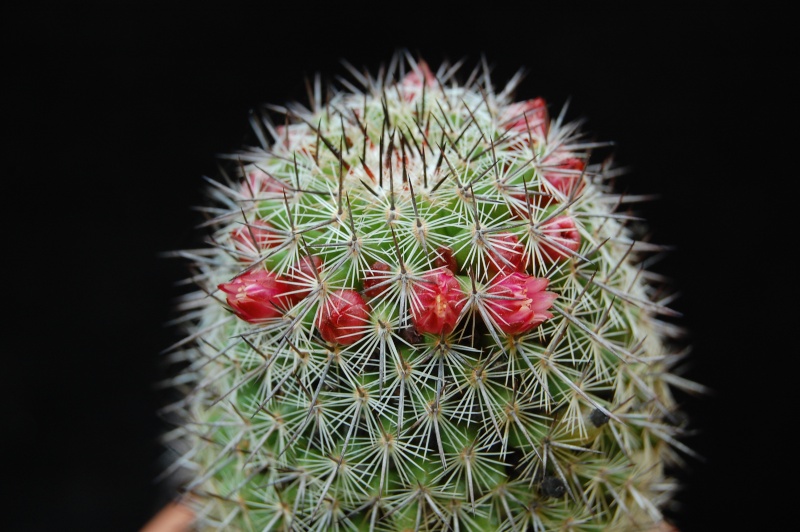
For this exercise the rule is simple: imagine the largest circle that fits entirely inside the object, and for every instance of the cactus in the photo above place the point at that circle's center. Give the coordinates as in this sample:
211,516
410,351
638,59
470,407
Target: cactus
422,307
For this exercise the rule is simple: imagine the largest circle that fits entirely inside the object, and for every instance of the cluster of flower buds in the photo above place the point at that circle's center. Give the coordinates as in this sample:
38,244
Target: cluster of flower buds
516,301
562,180
423,287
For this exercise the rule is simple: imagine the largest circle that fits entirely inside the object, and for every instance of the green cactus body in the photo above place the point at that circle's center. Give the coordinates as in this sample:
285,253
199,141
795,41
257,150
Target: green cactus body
422,310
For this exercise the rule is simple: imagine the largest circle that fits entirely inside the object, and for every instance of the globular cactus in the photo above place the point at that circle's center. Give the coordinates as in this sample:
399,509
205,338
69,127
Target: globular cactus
422,307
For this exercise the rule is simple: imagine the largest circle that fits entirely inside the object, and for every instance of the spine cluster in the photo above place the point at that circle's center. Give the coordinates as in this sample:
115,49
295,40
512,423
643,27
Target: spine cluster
422,308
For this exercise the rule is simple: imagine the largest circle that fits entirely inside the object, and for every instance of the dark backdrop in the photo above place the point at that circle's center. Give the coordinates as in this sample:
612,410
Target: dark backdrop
115,114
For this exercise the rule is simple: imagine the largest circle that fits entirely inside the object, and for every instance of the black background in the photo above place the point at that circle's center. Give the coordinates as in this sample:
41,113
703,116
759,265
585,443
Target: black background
115,113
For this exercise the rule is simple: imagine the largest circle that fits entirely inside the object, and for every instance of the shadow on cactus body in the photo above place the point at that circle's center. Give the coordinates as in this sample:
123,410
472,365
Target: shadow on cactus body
421,308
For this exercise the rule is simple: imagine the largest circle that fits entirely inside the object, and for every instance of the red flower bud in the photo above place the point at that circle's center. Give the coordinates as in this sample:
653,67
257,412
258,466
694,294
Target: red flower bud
343,317
251,239
445,259
257,295
376,276
536,112
437,303
519,302
302,277
564,177
506,254
260,184
562,238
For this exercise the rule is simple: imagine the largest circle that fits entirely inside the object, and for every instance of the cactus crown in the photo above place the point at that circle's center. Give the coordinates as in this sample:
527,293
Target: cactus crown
422,309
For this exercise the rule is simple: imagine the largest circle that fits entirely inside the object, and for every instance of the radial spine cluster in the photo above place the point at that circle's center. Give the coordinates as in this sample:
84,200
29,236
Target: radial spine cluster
422,307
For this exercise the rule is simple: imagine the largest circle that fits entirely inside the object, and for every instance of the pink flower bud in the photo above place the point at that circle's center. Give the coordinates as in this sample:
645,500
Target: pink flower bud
445,259
259,184
251,239
438,301
536,112
343,317
565,176
561,178
377,275
506,254
302,277
412,82
562,231
519,302
257,295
